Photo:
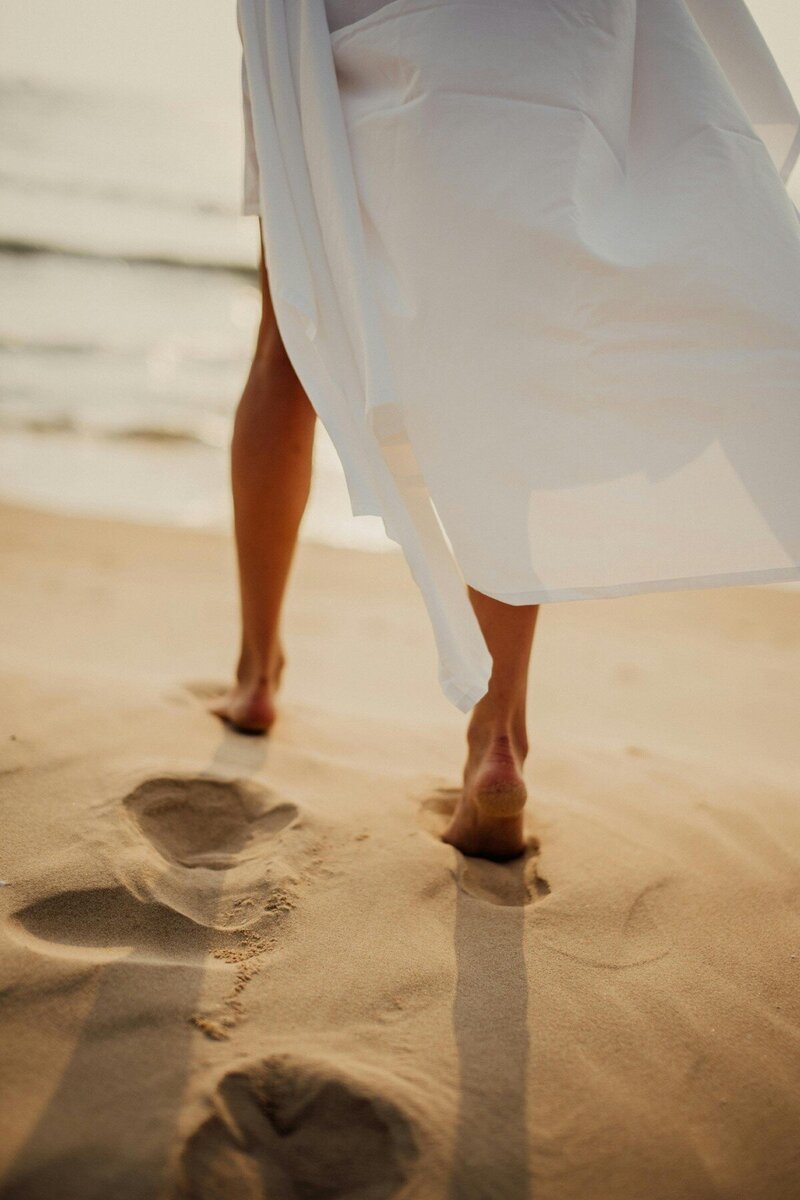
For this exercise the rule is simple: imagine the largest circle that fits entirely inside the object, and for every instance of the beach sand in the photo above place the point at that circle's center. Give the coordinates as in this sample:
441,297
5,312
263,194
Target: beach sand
242,967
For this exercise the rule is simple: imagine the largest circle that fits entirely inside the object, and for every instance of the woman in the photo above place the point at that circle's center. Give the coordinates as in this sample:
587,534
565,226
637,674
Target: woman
535,266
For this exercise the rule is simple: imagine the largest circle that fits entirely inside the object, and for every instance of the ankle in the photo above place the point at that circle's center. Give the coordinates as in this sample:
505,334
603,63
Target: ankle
259,669
504,731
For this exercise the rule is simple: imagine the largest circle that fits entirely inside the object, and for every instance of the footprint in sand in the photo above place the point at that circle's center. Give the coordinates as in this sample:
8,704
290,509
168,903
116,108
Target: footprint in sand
104,924
168,917
224,852
611,923
206,822
289,1127
513,883
203,690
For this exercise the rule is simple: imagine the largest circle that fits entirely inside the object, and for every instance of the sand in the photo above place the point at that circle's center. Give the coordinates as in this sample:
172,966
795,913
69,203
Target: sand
242,967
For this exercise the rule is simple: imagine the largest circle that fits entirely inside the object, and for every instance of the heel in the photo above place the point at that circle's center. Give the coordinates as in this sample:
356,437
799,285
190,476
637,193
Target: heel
503,802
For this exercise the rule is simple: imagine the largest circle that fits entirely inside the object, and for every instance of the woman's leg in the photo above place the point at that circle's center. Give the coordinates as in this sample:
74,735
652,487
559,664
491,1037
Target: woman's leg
271,453
489,818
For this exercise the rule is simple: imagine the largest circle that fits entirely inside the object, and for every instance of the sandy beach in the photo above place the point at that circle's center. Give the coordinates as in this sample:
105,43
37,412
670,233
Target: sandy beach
248,967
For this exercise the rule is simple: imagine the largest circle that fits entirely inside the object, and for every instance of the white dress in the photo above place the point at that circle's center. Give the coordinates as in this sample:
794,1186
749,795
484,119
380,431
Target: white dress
535,264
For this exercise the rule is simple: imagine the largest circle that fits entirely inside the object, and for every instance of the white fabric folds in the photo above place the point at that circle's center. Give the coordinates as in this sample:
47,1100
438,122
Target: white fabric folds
536,266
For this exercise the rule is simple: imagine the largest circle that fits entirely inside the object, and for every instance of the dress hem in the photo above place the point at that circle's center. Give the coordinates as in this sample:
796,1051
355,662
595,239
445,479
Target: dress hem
688,582
463,698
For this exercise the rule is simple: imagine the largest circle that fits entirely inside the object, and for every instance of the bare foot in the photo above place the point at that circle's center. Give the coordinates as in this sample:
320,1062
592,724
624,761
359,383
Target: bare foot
488,821
249,706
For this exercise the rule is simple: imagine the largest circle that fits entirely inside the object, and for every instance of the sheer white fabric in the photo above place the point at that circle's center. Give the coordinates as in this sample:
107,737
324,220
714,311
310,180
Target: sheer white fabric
536,266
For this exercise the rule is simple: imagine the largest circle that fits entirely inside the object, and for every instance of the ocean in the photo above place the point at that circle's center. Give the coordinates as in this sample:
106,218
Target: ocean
129,296
128,290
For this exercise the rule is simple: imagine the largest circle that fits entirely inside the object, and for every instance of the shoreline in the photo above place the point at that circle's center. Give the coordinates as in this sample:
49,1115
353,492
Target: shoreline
172,480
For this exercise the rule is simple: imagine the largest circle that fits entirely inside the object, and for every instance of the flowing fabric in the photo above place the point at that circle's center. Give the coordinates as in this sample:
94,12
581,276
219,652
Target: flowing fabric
535,264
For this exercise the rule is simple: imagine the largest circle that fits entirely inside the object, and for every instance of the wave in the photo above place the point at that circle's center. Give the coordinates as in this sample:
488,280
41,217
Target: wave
155,435
15,344
123,192
176,258
151,434
121,175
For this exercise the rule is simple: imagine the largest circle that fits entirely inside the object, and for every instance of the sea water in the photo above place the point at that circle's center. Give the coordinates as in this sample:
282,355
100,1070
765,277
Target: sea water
129,296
